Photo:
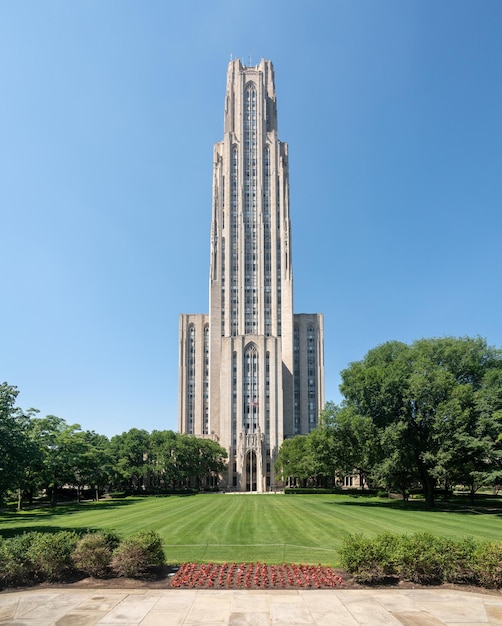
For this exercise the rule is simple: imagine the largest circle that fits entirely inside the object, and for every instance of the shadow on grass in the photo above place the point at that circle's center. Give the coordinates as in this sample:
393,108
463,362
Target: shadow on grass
8,533
463,506
174,494
46,511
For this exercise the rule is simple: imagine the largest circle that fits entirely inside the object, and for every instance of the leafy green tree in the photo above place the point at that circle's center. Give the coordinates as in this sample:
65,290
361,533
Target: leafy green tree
320,450
295,462
28,481
482,466
211,462
95,463
353,442
186,458
63,447
14,444
435,407
162,458
130,452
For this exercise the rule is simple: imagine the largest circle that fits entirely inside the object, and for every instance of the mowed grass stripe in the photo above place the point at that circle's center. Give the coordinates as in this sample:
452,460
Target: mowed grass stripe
250,527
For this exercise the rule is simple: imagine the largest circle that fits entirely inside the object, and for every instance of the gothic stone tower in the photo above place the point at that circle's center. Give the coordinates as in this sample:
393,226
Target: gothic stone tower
251,372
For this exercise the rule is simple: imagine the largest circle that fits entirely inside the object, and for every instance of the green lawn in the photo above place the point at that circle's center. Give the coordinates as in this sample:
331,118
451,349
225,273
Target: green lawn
267,528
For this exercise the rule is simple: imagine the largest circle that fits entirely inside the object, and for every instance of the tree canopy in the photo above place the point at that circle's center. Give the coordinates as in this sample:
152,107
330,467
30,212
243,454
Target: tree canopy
46,454
424,415
427,414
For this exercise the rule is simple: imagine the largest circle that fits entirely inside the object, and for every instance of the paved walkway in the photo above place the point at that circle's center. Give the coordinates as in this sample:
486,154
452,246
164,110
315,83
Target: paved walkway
155,607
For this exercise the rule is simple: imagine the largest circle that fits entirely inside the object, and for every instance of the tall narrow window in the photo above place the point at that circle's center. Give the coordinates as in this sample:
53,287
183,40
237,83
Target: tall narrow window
191,378
234,400
234,262
267,251
249,210
312,377
205,399
297,378
250,395
278,257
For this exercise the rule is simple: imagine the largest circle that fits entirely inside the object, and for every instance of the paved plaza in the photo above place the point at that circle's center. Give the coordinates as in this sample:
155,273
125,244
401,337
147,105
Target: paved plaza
155,607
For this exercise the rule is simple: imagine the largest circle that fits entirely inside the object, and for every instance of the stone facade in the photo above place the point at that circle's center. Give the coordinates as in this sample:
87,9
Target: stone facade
251,373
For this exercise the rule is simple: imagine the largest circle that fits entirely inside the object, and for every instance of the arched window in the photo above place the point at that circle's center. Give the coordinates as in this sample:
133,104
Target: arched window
250,395
234,400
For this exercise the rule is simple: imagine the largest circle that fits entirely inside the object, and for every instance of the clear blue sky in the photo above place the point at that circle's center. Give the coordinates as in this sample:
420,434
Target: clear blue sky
108,115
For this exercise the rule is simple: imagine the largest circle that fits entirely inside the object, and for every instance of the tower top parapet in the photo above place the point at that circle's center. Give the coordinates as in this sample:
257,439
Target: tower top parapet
239,77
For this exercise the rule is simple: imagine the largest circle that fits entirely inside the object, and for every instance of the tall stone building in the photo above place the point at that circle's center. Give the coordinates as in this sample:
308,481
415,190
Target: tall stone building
251,373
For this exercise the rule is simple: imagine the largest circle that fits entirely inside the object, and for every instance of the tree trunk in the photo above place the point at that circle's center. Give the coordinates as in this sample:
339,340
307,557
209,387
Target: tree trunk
428,486
19,499
428,483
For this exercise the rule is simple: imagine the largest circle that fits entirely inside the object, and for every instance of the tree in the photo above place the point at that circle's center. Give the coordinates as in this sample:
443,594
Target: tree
162,458
430,403
321,452
211,463
486,464
295,462
130,452
95,463
64,449
14,444
28,480
354,443
186,458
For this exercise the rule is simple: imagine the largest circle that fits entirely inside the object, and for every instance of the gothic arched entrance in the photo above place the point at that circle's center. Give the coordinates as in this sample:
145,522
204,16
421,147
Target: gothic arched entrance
251,471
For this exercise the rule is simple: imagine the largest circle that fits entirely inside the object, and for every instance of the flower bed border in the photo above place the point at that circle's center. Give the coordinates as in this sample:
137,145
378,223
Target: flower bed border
254,576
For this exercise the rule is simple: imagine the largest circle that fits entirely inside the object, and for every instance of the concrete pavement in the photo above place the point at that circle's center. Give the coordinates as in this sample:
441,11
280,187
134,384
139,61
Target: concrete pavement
173,607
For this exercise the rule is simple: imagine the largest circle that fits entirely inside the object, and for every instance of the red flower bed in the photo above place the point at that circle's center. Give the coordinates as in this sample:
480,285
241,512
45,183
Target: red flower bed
255,576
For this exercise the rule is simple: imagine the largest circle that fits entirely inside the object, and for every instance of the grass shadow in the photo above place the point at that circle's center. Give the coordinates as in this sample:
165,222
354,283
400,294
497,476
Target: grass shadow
46,511
8,533
486,506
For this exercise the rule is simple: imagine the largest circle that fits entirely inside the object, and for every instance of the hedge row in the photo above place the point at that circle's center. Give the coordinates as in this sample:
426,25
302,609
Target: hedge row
350,491
422,558
35,557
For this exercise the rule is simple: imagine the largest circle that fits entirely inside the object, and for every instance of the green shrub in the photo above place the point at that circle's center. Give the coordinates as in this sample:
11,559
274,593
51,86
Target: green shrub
352,491
369,559
459,561
93,553
16,567
420,558
137,553
488,565
51,554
